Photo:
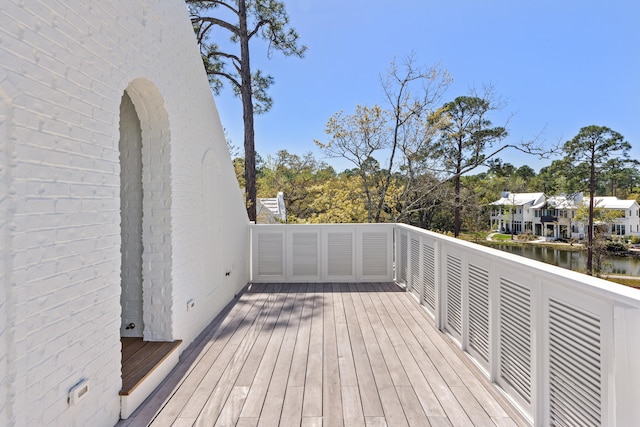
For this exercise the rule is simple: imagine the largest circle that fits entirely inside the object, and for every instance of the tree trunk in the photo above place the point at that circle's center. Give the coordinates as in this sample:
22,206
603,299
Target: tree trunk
247,114
387,180
456,209
592,190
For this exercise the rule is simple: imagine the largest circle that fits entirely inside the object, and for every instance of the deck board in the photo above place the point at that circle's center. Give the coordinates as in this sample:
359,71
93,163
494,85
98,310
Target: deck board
328,355
331,392
371,405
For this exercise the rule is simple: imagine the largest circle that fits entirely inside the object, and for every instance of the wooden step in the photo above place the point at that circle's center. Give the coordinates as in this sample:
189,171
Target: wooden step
144,365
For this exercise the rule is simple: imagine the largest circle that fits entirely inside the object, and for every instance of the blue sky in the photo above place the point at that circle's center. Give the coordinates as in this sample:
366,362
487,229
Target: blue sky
560,65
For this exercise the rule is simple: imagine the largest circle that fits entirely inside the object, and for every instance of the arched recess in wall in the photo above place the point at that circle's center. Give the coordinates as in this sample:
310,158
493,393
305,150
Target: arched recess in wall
131,197
146,201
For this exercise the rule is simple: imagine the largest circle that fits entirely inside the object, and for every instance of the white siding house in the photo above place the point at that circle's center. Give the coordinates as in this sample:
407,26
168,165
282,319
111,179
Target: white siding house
515,212
113,174
559,220
554,217
629,222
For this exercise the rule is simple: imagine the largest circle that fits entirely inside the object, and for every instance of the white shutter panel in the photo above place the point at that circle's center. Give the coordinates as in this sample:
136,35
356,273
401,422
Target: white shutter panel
340,254
429,277
454,294
575,358
270,254
402,273
415,282
479,311
304,255
515,338
374,254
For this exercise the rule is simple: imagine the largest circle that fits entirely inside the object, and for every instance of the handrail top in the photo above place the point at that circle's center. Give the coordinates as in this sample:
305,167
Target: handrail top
594,285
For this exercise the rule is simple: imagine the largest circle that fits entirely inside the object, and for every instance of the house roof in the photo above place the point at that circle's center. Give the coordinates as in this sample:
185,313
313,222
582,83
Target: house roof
520,199
613,203
565,202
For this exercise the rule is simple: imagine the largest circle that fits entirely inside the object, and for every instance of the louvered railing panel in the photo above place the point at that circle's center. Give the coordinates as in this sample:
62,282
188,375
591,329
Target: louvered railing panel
415,268
575,358
479,311
374,253
402,268
454,294
515,337
429,276
304,254
340,254
271,254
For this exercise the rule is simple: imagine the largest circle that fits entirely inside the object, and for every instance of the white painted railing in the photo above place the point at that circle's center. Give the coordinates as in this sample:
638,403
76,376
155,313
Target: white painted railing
563,346
322,253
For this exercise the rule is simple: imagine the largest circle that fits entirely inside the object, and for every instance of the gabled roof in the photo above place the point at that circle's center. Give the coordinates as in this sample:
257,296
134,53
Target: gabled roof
613,203
563,201
520,199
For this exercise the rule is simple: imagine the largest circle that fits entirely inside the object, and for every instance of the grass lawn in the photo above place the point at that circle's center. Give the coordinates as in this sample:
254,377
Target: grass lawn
498,236
632,282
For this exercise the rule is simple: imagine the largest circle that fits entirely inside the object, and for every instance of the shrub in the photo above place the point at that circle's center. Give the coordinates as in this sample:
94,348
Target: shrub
616,247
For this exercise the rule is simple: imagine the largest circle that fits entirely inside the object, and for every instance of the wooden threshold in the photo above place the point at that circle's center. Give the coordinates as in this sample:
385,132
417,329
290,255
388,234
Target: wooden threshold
140,358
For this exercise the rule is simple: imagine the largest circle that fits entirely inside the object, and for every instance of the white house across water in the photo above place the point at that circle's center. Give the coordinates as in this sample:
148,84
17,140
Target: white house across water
554,217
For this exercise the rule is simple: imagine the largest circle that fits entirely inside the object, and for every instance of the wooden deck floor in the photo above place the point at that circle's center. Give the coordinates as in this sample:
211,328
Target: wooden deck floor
324,355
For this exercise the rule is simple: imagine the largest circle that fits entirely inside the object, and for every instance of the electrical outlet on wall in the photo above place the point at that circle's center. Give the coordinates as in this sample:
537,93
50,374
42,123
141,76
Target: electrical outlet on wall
190,305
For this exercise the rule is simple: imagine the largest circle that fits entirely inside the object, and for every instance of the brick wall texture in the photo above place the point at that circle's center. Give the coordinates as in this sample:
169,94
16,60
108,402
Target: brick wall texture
64,70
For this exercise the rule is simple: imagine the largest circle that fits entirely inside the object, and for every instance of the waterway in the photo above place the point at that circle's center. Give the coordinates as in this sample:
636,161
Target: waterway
574,260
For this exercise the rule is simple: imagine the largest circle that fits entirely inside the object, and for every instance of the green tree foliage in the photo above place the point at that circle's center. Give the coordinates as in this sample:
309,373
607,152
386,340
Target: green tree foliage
600,218
618,178
560,177
464,142
357,138
525,173
380,141
590,151
315,193
337,200
506,177
239,22
295,176
500,169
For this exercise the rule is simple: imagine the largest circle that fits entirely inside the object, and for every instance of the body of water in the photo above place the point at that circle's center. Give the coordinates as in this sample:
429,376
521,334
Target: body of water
574,260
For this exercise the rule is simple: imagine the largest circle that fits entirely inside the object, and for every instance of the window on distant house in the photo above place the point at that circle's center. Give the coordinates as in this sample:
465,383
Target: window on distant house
619,229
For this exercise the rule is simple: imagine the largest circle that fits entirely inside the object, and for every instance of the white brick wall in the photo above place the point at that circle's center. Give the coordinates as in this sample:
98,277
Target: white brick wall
65,66
5,259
